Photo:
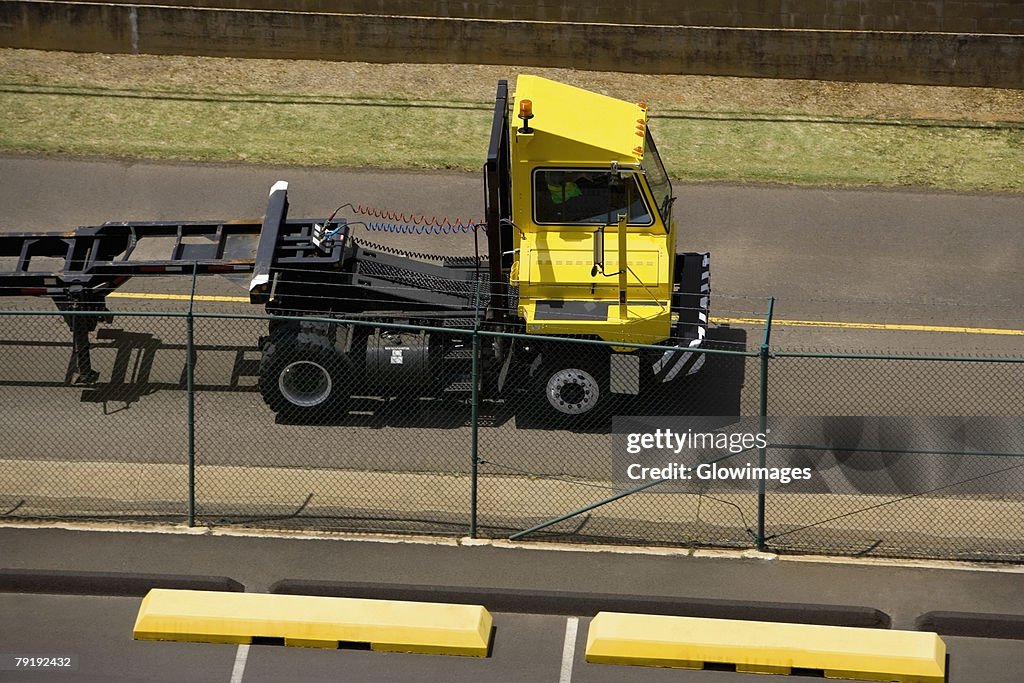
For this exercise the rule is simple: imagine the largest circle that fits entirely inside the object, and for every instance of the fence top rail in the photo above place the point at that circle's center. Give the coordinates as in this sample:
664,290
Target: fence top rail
899,451
895,356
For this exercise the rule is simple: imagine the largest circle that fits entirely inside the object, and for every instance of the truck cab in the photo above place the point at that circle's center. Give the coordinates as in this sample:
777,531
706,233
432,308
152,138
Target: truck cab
594,243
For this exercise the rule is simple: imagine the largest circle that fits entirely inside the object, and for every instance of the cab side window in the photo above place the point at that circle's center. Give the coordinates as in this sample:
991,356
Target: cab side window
586,198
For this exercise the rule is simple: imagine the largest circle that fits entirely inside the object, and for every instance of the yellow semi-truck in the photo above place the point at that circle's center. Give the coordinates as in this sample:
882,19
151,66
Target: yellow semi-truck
580,241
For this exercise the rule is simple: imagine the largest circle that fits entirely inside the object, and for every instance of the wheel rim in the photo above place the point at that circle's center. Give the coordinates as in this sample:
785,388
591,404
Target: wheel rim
305,383
572,391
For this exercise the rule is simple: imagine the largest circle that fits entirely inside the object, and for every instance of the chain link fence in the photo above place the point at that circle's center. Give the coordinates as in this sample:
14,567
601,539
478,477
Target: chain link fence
178,429
905,492
115,449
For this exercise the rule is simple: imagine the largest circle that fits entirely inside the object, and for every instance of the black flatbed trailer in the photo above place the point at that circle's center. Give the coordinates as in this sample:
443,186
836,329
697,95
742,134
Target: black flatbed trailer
93,261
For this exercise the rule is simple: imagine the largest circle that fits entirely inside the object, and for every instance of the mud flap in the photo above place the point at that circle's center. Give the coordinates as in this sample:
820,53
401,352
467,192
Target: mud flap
690,303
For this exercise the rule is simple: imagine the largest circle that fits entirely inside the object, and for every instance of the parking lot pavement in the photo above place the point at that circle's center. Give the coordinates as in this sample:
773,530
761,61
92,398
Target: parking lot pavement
95,631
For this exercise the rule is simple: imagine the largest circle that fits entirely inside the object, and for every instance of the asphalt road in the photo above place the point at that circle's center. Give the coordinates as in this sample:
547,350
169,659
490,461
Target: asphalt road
881,256
96,630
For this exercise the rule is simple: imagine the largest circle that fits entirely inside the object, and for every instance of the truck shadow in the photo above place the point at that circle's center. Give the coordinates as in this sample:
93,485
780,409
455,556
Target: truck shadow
132,366
717,389
403,413
135,366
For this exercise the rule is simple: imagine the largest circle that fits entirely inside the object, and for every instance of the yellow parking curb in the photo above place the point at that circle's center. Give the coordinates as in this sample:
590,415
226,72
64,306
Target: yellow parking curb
310,621
767,647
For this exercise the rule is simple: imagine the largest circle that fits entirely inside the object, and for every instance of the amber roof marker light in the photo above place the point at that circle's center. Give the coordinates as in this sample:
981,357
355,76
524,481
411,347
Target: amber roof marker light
526,113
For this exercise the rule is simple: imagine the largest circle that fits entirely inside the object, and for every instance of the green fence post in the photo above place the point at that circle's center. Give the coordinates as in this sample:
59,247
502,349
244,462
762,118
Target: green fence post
474,429
474,417
763,423
189,391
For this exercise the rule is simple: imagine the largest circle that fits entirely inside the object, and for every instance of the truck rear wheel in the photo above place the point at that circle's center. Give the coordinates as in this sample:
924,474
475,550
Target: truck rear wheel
304,378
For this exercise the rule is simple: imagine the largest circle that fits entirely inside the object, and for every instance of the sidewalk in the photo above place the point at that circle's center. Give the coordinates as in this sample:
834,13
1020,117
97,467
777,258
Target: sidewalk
320,498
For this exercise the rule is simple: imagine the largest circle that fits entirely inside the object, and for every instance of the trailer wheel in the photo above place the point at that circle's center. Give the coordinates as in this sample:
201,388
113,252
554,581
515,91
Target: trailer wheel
303,377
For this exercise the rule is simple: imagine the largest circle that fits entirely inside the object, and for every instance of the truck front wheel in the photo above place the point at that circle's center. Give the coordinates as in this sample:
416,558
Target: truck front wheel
571,388
572,391
304,378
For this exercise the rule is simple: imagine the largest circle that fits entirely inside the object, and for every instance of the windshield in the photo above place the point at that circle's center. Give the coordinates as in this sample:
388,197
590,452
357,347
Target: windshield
586,196
657,179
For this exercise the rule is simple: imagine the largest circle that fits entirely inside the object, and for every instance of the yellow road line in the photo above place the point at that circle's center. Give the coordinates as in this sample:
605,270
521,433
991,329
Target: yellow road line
872,326
719,321
179,297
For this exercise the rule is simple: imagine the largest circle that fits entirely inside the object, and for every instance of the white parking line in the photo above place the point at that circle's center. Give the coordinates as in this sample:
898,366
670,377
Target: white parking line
569,649
239,670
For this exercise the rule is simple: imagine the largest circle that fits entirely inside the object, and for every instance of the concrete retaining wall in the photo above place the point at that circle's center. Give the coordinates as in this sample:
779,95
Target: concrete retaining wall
951,16
925,58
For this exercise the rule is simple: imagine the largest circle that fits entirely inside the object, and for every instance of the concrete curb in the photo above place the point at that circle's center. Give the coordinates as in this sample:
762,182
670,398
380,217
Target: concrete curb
972,625
106,583
589,604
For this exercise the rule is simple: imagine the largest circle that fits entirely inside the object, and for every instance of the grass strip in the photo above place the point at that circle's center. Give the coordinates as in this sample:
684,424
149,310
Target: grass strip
348,131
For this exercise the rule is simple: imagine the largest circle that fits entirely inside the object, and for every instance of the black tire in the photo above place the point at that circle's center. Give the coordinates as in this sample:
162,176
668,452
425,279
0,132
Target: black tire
304,378
571,387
